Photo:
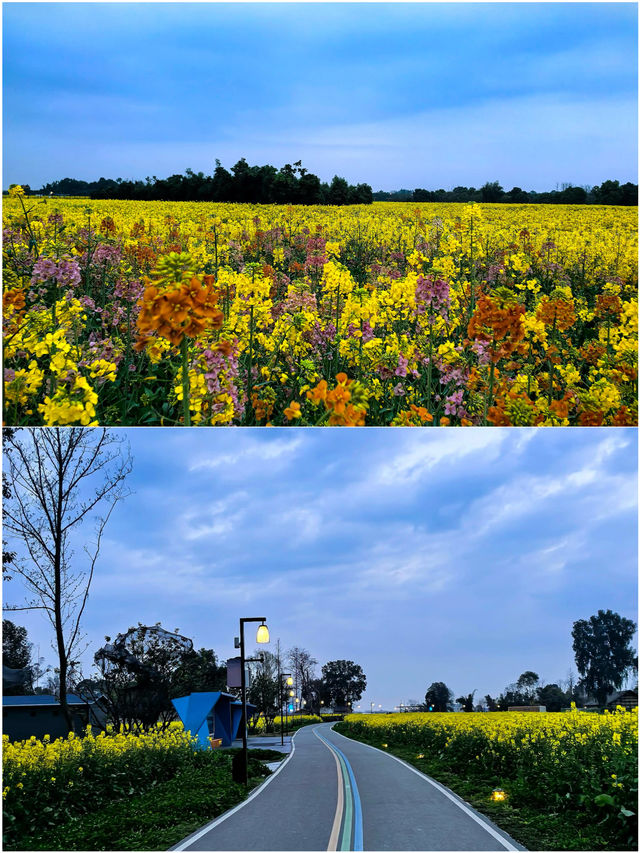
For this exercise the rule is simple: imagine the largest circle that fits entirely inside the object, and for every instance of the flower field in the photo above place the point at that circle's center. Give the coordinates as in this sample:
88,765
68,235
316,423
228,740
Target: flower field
169,313
51,778
114,791
556,762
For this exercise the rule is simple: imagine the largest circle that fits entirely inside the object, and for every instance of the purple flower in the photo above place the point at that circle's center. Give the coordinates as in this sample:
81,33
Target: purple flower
401,369
432,294
43,270
399,391
68,273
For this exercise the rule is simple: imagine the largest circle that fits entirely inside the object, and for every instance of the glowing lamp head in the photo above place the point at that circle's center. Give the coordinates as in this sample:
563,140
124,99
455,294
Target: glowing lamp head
498,795
289,681
263,634
291,693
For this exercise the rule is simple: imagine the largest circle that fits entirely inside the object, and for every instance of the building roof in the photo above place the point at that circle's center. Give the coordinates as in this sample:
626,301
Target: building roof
41,701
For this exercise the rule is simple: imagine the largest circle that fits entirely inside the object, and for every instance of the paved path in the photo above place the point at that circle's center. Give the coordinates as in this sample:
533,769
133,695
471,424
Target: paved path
333,793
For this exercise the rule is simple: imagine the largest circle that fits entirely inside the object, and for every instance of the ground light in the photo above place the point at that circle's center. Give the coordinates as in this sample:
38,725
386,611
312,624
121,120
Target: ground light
498,795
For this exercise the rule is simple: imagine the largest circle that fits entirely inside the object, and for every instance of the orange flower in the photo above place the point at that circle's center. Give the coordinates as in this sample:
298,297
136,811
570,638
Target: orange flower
319,393
178,310
292,411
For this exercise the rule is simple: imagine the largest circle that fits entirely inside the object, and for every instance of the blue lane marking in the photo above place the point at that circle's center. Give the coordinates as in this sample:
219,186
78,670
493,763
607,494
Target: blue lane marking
357,806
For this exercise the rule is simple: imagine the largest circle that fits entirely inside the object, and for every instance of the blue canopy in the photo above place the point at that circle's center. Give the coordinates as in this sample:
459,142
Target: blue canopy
211,715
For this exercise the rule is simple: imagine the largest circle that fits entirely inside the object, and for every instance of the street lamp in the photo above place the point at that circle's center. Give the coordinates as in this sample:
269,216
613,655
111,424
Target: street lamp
261,637
283,700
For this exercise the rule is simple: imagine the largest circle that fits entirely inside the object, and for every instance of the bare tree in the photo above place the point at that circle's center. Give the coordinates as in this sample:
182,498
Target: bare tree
302,669
59,479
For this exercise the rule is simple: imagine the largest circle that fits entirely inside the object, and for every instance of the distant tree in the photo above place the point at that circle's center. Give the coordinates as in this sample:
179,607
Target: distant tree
466,702
517,196
344,682
338,191
573,195
492,705
16,649
552,697
264,691
438,697
603,652
511,696
527,684
59,478
17,678
140,671
492,192
198,672
302,669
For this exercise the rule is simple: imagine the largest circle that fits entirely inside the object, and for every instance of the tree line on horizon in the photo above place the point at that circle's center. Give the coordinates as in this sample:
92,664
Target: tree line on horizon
603,657
608,192
293,184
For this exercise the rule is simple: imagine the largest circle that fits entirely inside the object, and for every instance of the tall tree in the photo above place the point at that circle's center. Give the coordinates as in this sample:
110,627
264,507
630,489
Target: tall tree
438,697
264,691
344,682
527,684
603,652
139,671
60,479
302,670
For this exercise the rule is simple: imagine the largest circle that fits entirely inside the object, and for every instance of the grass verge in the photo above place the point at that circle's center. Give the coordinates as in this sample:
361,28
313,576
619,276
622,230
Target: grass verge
529,826
161,816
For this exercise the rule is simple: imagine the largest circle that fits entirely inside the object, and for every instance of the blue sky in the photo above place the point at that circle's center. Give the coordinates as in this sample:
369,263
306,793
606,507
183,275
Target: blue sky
393,94
461,555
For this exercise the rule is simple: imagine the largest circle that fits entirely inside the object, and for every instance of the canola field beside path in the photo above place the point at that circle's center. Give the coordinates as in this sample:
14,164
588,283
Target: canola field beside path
576,766
168,313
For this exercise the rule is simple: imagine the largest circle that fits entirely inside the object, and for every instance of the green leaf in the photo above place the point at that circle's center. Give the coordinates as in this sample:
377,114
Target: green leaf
604,800
626,813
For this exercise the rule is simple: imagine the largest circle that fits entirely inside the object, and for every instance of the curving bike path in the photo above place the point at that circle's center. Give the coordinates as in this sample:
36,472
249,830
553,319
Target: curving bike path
334,793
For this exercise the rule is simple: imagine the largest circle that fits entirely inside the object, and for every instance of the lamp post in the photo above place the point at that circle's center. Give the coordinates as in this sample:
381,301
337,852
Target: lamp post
283,701
262,636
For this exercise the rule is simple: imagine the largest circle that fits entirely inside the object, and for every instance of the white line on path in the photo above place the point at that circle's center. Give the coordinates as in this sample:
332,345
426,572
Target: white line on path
506,844
184,845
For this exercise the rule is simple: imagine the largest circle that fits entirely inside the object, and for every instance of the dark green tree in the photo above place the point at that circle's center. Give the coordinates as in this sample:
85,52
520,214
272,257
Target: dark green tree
344,682
492,705
16,649
492,192
438,697
552,697
527,684
198,672
338,191
466,702
603,652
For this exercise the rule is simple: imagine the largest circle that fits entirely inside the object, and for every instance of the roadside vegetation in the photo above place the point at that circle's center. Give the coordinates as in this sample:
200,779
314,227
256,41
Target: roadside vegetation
117,791
563,781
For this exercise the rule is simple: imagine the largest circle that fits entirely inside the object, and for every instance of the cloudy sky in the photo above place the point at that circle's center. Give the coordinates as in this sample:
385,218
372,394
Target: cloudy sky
461,555
393,94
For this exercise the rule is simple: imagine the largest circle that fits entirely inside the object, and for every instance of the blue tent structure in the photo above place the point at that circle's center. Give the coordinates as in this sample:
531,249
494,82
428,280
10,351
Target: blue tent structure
211,715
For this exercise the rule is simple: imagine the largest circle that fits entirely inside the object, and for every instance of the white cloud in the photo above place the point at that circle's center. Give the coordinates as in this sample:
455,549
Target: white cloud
280,449
420,454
